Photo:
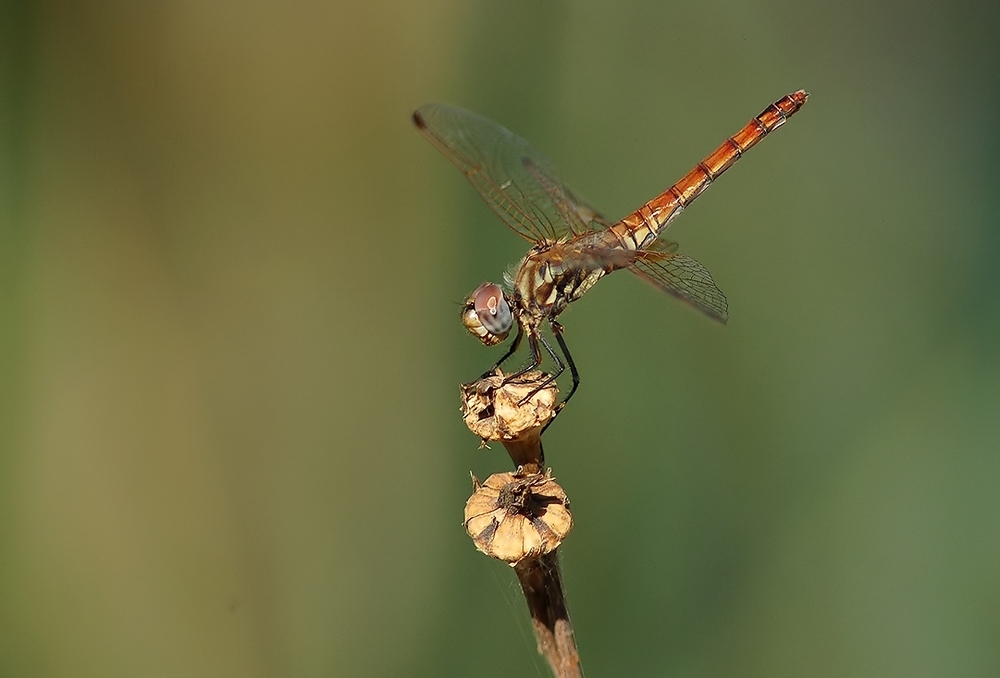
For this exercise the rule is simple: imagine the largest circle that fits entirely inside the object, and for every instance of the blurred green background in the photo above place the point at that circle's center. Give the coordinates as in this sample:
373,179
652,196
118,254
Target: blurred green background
231,272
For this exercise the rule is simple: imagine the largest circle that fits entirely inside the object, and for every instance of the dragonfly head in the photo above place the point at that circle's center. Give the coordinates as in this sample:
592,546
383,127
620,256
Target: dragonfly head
486,314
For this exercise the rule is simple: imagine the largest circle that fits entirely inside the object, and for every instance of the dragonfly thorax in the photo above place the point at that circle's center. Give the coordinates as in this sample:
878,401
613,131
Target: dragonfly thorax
546,282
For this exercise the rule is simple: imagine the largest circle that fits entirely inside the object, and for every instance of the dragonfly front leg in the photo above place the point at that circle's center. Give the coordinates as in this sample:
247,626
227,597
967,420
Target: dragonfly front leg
510,351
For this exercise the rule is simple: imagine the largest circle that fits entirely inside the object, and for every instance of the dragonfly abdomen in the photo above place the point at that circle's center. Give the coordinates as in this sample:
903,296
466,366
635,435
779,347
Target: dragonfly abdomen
640,228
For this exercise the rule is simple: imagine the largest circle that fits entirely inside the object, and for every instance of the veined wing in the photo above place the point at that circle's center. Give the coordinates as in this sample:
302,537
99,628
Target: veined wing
515,179
574,210
683,277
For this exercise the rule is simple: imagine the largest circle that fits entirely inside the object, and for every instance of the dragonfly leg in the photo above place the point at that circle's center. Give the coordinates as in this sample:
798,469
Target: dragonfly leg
536,358
557,330
560,368
560,365
510,351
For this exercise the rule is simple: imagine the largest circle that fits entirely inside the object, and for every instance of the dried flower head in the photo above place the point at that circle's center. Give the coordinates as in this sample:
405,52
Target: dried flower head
499,411
513,516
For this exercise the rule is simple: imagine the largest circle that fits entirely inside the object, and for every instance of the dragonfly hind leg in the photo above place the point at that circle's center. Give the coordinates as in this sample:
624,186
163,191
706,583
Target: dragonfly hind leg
557,331
560,368
536,360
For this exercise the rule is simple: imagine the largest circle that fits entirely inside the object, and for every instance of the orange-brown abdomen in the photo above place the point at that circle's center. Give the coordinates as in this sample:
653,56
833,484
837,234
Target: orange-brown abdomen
638,229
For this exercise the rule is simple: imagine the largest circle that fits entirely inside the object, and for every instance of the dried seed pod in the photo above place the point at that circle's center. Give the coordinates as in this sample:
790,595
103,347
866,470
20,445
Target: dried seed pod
513,516
495,410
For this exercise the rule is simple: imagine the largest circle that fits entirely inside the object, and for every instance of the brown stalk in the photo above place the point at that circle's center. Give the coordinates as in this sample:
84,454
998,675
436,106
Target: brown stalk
522,517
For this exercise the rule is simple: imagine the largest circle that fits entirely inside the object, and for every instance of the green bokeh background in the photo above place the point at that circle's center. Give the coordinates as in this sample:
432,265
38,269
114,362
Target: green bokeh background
229,346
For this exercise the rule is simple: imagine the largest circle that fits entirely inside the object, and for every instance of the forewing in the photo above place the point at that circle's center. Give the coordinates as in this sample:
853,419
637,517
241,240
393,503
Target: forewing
684,278
515,179
573,210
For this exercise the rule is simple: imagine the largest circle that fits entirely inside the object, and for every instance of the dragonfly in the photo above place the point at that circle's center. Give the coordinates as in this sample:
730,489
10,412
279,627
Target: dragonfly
572,244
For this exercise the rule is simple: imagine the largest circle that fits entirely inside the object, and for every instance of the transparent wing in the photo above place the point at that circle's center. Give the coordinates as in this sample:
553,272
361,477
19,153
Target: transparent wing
684,278
574,210
514,178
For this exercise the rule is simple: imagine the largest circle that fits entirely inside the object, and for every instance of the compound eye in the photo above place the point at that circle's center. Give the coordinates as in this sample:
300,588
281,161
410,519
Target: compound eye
492,308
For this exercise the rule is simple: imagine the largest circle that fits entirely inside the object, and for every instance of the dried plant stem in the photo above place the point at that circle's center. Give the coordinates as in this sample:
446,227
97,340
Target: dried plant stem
541,583
542,587
525,531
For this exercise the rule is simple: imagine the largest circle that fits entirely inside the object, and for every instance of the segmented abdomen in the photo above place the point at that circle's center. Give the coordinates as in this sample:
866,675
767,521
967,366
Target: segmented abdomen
640,228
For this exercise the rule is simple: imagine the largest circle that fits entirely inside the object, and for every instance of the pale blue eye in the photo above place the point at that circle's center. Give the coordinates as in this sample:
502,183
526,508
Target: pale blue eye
493,310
